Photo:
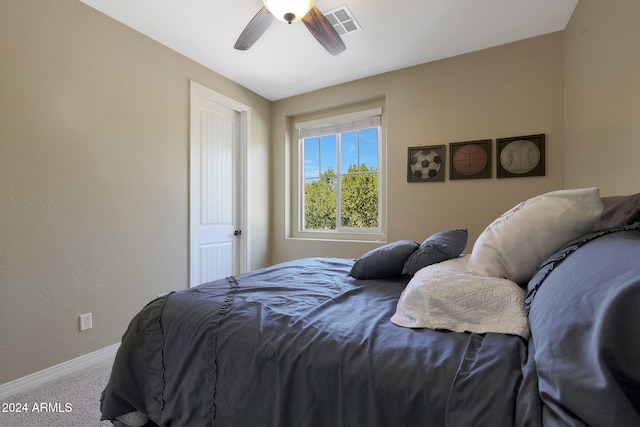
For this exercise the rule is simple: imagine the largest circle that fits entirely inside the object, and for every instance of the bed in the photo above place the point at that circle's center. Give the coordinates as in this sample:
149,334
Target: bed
341,342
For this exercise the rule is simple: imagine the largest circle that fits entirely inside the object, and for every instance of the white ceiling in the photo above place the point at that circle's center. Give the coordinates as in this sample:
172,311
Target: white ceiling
287,60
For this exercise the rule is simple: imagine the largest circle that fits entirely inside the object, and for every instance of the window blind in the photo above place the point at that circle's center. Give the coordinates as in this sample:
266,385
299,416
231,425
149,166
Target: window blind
338,124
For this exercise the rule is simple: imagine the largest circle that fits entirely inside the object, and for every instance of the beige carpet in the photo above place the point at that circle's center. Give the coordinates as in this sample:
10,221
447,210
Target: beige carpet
72,401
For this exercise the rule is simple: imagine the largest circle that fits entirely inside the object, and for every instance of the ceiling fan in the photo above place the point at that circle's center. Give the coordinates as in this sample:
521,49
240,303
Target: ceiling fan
291,11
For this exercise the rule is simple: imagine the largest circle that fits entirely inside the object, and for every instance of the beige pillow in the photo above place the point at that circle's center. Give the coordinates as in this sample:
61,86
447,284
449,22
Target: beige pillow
514,245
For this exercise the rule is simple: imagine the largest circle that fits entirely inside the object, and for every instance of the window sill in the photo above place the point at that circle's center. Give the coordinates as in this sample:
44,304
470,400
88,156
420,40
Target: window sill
339,237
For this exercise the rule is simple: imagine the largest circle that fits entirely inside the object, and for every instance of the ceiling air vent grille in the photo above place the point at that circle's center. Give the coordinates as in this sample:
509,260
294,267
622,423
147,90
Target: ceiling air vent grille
342,20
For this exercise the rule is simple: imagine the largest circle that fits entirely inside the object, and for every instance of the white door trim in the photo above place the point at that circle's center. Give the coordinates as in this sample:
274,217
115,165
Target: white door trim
244,113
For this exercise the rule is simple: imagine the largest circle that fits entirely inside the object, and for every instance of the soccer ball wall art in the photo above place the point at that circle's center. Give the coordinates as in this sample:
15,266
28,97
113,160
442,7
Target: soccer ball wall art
426,164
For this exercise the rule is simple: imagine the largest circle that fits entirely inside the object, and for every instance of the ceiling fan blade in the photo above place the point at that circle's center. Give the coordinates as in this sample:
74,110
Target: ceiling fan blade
254,29
323,31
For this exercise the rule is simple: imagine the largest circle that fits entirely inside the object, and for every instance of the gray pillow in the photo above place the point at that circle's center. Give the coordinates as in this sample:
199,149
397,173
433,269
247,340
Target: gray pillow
385,261
438,247
619,210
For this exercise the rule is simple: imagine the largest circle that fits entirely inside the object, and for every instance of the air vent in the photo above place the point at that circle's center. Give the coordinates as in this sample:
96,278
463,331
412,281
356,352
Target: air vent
342,20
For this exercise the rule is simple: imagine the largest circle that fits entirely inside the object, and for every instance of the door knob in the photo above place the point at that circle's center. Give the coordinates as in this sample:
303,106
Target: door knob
237,233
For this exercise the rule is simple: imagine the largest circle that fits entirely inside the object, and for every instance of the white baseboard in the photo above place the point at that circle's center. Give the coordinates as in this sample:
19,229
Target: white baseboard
58,371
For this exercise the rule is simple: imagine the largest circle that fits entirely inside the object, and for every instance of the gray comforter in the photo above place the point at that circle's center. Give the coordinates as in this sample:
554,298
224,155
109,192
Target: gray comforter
584,313
304,344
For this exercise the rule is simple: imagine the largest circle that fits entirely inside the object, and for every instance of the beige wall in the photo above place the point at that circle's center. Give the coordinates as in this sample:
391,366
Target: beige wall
511,90
94,156
602,96
94,144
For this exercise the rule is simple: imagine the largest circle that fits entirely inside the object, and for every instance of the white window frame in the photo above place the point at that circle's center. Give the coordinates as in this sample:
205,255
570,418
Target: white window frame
335,124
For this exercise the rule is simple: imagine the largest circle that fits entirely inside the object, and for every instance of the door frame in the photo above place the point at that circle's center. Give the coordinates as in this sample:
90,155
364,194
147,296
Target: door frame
242,175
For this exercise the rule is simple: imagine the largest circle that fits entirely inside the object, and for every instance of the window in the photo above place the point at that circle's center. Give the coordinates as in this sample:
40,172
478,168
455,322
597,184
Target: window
340,177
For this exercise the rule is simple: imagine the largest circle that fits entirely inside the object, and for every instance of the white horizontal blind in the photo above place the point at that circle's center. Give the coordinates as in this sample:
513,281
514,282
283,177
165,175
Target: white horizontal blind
338,124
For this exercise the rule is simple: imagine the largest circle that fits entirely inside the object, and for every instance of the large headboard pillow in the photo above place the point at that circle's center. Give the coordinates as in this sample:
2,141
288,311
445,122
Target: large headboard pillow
514,244
619,210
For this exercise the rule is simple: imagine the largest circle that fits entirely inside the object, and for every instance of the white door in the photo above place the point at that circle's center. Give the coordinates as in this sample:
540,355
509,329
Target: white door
216,233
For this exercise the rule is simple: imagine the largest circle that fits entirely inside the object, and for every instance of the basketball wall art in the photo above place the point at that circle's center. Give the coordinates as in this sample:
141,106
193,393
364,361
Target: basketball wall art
426,164
470,160
520,156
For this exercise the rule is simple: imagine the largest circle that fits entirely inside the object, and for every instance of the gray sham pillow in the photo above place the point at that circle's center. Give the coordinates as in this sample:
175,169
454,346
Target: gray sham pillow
436,248
385,261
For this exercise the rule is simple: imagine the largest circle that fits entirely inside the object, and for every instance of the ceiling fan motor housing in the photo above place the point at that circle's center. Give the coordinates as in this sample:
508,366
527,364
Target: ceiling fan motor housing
289,10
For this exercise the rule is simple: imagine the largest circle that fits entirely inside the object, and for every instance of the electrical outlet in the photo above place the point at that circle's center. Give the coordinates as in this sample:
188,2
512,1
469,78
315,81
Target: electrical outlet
85,322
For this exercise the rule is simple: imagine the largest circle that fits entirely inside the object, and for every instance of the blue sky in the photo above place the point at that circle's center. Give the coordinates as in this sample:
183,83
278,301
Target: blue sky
320,152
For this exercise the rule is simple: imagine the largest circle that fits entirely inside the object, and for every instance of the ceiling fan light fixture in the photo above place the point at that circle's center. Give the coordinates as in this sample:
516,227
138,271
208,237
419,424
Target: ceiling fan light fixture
288,10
